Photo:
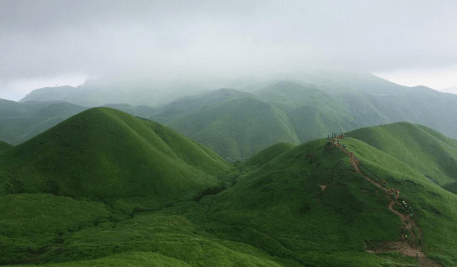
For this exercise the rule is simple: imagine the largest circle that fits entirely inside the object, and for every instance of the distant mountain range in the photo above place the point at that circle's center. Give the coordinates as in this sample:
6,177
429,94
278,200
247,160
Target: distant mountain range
21,121
296,112
102,92
227,120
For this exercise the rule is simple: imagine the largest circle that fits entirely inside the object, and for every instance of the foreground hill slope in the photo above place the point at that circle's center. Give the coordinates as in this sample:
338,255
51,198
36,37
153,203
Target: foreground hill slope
40,228
106,153
310,206
432,208
307,205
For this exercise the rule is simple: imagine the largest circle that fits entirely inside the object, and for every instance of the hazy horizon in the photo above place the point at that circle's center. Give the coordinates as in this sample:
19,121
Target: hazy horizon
49,43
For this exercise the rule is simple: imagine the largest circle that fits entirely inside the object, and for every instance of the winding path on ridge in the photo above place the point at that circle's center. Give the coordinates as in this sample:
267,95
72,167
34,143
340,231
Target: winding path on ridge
408,246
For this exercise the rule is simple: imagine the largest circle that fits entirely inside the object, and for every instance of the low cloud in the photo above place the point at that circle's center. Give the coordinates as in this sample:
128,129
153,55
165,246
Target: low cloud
196,40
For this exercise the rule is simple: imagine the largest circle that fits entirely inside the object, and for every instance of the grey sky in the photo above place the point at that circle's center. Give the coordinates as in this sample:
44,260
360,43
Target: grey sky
166,40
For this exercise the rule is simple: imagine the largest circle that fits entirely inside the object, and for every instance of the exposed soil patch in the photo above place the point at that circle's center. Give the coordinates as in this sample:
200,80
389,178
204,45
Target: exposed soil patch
411,245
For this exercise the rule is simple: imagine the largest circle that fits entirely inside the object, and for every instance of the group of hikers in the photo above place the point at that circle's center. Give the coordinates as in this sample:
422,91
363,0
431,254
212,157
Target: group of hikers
336,136
335,139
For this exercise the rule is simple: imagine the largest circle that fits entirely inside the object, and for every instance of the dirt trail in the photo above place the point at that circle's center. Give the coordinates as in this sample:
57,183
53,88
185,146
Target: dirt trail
409,244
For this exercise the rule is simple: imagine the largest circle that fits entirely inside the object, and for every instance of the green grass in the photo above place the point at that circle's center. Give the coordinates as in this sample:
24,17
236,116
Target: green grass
4,146
433,207
31,223
134,259
71,232
264,156
232,128
419,147
451,187
268,211
105,153
280,209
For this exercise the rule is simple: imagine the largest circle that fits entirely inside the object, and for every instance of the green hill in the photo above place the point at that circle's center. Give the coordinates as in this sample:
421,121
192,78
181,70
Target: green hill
105,153
264,156
311,107
4,145
234,124
309,206
433,207
204,100
10,109
313,112
22,121
422,149
323,104
300,205
281,209
142,111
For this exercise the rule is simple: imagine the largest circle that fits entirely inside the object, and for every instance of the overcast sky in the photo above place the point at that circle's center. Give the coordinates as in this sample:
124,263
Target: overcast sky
46,43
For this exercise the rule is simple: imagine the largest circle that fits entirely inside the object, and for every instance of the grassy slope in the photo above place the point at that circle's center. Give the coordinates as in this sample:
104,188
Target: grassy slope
41,228
4,146
30,223
107,153
312,112
20,121
422,149
434,208
228,122
419,159
451,187
276,207
281,209
264,156
239,133
278,214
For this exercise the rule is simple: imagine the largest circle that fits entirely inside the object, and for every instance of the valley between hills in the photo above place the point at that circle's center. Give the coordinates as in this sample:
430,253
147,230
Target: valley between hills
231,178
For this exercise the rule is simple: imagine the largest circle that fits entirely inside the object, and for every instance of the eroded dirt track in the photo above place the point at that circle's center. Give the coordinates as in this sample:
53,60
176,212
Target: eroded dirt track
411,245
